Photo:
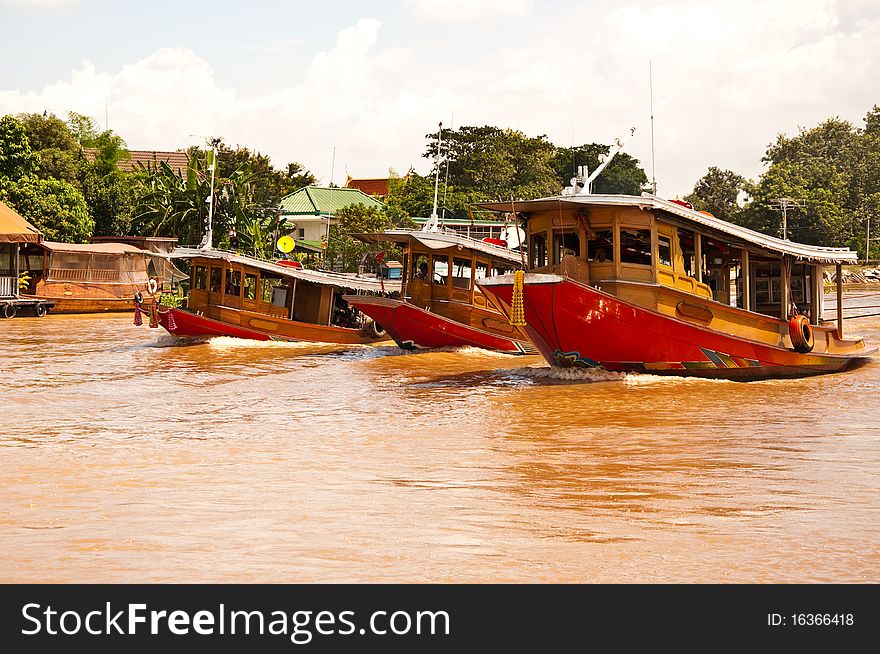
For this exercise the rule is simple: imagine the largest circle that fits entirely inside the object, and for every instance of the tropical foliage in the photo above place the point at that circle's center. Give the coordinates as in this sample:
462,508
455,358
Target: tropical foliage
343,251
54,206
830,176
623,175
719,192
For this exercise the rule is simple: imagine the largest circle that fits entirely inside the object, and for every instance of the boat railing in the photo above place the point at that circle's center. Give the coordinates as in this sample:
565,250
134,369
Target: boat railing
8,286
449,231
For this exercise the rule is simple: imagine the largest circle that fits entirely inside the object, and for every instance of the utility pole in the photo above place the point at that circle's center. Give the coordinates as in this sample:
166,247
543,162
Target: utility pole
783,205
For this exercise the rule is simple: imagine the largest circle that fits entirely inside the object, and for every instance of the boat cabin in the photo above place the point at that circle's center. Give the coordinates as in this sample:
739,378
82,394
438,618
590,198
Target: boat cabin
221,281
439,269
667,257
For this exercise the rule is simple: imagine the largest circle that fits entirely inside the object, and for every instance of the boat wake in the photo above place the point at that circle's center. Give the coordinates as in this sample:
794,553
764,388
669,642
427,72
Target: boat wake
170,340
591,375
639,379
468,350
230,342
594,375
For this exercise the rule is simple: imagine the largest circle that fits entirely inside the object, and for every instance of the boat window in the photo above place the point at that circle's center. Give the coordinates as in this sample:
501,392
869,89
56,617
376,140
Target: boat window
216,278
539,250
635,246
250,286
461,273
601,248
233,282
482,270
441,269
6,260
664,251
566,244
420,267
201,278
501,269
268,284
688,251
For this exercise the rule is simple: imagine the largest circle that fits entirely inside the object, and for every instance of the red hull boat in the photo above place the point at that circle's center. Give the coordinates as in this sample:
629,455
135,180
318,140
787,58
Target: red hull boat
242,297
440,304
642,284
575,325
412,327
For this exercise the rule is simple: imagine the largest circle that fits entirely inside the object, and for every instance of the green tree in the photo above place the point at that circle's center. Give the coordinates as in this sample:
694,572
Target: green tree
718,192
110,199
413,196
170,204
59,152
624,175
834,170
269,185
258,231
344,252
107,147
494,163
297,177
17,158
819,186
53,206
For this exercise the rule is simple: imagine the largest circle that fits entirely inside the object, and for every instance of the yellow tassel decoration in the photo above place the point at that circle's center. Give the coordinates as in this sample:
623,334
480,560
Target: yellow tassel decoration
517,308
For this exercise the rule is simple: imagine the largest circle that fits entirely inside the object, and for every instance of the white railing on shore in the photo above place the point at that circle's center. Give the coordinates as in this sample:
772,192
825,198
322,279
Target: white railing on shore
8,286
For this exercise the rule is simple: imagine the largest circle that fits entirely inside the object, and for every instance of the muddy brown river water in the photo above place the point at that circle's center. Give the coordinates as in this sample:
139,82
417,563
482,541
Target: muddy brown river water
127,458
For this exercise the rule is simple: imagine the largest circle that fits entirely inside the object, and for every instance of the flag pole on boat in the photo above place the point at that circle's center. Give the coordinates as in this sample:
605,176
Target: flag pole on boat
208,241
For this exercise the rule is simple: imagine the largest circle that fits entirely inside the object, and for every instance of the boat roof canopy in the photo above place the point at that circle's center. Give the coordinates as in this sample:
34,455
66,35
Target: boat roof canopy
685,215
93,248
15,229
323,277
440,241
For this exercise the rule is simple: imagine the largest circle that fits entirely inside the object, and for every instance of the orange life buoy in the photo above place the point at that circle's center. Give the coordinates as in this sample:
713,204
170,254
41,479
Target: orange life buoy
801,333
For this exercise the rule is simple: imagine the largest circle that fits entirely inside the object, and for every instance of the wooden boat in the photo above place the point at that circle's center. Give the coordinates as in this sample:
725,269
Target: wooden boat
242,297
643,284
87,278
441,306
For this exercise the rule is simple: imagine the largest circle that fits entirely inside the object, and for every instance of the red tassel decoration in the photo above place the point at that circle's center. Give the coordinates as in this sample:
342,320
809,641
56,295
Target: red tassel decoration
171,326
138,321
154,320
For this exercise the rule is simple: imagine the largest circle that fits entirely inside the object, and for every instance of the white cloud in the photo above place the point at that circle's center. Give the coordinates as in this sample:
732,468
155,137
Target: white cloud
469,10
727,79
41,3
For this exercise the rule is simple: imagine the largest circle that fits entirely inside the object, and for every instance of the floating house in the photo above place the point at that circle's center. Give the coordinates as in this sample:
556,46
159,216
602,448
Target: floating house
19,241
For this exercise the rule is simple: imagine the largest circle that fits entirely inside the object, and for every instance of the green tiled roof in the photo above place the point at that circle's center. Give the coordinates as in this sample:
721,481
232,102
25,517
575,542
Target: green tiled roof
323,201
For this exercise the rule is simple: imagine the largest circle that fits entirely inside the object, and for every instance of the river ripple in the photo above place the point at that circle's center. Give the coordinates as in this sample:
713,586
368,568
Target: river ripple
127,458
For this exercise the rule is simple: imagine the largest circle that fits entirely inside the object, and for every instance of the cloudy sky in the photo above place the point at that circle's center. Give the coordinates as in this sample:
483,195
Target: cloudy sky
296,79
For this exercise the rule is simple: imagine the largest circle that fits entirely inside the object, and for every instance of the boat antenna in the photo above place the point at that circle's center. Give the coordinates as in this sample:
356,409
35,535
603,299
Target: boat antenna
330,202
432,224
208,241
651,93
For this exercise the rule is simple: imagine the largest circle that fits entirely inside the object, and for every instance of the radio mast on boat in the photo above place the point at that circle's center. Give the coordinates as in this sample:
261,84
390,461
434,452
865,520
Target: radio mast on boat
433,223
651,90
